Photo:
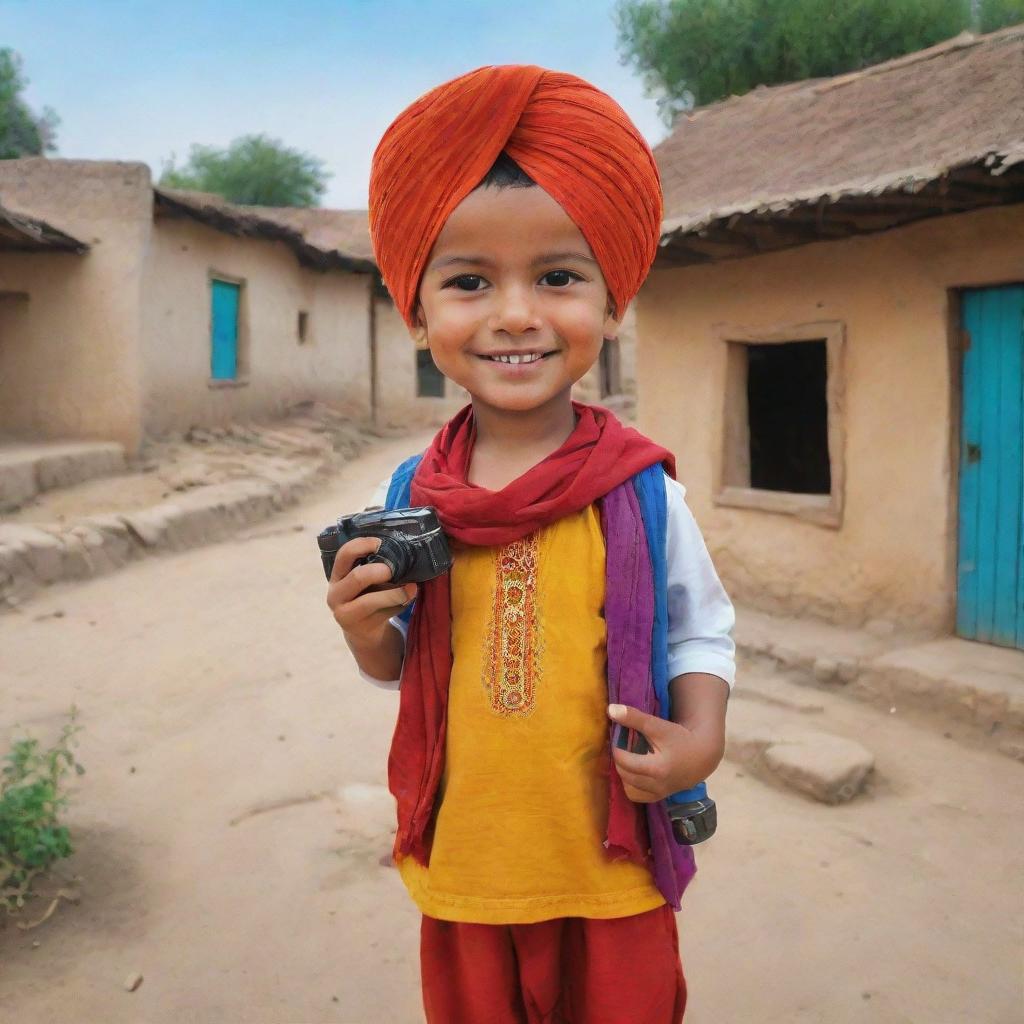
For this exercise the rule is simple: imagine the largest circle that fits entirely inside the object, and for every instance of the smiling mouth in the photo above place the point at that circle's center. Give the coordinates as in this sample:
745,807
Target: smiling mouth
518,359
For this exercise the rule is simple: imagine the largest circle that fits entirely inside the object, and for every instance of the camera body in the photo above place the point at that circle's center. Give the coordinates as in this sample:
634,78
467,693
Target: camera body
412,543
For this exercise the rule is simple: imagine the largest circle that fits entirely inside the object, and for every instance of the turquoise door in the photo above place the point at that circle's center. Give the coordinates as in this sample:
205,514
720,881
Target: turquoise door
224,330
990,590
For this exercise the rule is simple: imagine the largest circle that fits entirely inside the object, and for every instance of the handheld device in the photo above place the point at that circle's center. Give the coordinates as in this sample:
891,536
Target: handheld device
412,543
692,812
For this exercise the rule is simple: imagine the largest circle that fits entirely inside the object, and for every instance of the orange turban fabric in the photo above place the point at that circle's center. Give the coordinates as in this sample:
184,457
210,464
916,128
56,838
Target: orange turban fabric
572,139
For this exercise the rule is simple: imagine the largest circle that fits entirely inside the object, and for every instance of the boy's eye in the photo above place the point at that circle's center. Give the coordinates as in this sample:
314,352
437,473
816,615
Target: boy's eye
466,282
560,278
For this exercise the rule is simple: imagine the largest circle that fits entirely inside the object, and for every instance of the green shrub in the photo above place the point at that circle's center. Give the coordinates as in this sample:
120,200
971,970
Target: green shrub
31,801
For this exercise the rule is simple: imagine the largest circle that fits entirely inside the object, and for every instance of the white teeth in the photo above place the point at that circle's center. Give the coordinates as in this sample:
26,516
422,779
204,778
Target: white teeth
516,359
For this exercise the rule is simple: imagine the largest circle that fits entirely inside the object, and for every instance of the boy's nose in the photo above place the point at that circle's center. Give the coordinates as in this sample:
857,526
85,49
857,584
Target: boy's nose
514,311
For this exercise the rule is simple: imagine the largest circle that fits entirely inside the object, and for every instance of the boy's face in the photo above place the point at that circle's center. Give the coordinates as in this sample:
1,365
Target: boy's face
512,276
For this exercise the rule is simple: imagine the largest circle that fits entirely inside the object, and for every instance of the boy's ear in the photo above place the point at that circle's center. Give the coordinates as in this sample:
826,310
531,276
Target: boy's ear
418,331
612,321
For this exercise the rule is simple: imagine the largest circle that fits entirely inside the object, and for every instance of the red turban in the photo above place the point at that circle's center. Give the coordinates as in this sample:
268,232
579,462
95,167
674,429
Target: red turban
572,139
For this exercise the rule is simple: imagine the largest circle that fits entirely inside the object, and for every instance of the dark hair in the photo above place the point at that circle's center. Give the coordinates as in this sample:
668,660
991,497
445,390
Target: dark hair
506,173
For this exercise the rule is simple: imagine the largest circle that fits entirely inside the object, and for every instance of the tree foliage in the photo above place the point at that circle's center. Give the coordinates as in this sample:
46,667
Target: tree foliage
996,14
254,170
699,51
22,133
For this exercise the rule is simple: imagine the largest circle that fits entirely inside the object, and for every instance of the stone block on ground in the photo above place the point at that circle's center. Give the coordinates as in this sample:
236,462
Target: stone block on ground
746,743
828,768
823,766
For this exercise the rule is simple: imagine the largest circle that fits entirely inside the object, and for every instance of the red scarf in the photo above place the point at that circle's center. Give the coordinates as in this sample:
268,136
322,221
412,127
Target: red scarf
599,455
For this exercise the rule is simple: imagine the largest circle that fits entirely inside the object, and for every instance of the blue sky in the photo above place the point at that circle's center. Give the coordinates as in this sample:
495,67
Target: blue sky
143,80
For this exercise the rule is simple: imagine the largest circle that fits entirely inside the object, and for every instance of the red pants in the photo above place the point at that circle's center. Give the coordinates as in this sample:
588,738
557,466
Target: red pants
571,970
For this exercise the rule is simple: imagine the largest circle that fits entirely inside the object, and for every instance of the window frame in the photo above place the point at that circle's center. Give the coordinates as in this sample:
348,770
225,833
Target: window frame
731,487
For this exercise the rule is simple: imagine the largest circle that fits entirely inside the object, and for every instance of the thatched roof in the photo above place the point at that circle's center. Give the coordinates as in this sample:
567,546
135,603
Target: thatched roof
27,234
345,230
935,132
322,239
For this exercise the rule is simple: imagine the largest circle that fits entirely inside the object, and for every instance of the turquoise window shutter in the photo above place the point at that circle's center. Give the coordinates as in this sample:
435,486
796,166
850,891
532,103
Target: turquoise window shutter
224,330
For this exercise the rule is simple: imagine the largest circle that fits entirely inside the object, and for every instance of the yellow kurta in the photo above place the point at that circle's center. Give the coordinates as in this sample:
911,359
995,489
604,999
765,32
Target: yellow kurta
524,794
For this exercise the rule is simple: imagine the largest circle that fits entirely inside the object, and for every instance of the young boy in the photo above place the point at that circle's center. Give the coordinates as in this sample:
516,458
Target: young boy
515,212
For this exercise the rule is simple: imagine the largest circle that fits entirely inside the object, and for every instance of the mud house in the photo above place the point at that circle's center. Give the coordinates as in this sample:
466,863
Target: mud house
128,310
832,339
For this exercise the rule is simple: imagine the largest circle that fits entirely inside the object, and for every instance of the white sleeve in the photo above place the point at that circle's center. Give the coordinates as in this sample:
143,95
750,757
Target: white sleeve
379,499
386,684
700,614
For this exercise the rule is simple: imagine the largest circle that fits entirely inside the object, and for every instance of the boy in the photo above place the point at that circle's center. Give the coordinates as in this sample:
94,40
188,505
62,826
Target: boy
515,213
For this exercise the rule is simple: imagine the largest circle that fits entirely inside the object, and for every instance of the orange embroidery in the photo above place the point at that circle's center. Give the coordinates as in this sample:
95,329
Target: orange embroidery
514,639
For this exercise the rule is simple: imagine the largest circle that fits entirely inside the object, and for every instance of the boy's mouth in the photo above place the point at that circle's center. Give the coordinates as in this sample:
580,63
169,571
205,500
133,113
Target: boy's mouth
517,358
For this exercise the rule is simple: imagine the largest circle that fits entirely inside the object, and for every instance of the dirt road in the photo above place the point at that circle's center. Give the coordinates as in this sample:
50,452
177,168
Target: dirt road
231,823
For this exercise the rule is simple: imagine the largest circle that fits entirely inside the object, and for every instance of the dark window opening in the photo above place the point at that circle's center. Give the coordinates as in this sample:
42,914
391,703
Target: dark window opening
788,415
610,369
429,379
303,326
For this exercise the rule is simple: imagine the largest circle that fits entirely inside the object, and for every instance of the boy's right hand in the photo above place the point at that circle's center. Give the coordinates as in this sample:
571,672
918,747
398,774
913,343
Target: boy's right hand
363,614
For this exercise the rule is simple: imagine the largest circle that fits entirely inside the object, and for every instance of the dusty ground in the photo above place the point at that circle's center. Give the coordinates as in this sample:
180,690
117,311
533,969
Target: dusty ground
230,826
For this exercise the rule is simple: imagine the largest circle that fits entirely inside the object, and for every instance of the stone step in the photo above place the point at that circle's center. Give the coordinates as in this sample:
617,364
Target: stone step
26,469
947,681
34,555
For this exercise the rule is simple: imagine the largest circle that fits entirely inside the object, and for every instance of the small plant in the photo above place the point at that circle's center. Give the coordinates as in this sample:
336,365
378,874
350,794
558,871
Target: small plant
31,800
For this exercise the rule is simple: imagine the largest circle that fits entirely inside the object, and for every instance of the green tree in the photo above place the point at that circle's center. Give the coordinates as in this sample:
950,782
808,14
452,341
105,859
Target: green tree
995,14
22,133
699,51
254,170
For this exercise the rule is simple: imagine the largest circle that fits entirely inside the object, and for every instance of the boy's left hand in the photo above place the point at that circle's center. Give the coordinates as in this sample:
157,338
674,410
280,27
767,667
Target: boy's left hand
680,757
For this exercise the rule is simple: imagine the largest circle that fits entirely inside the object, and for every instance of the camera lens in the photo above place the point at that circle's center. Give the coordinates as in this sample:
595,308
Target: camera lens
396,555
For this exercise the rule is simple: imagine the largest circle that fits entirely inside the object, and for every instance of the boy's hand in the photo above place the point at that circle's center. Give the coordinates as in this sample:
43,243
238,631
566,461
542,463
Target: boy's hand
680,756
364,615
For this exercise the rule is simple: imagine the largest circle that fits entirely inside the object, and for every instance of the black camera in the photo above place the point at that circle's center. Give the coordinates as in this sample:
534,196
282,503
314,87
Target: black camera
411,543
